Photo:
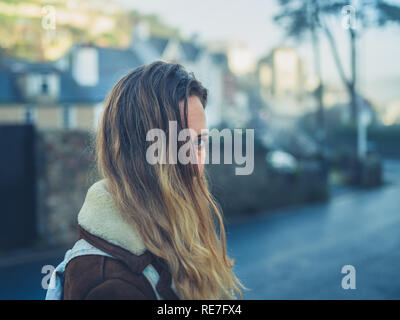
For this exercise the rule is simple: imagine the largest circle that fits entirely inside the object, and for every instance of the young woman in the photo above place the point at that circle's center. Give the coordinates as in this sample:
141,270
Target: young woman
158,214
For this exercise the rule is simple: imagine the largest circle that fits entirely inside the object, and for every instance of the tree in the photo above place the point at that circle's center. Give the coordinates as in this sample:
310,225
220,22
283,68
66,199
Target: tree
367,14
22,34
300,19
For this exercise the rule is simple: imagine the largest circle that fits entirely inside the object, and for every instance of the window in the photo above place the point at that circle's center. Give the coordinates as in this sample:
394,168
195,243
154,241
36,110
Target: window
29,114
68,116
44,88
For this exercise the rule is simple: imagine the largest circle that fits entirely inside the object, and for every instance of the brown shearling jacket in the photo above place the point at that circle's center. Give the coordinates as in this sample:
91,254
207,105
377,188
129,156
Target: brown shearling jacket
99,277
96,277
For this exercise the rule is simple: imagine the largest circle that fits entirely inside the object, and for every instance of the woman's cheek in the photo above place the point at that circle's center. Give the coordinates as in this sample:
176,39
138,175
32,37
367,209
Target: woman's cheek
201,159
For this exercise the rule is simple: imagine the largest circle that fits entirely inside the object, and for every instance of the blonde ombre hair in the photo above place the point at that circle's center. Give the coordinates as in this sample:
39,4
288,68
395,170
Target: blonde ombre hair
169,205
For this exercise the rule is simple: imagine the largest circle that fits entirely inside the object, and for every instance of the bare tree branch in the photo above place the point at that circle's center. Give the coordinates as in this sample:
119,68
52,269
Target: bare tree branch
336,57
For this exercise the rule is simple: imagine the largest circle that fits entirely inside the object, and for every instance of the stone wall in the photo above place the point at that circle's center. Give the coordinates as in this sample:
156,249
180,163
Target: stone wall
65,169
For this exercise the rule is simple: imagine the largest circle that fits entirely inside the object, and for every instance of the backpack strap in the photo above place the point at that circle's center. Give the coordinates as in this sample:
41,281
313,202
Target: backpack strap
55,290
152,275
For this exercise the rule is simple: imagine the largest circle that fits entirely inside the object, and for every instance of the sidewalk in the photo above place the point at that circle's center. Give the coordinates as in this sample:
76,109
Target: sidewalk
391,175
30,255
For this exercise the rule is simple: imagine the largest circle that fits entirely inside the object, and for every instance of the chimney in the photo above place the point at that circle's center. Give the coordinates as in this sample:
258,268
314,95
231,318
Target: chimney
85,65
141,31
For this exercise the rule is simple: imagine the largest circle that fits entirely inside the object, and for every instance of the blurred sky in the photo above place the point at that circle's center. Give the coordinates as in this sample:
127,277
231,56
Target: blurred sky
251,21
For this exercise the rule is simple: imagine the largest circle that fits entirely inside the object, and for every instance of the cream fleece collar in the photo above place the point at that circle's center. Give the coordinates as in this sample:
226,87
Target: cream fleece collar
100,216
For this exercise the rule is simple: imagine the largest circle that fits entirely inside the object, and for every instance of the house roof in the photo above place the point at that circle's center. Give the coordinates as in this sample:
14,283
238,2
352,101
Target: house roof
158,43
8,89
220,58
190,50
113,64
16,65
10,68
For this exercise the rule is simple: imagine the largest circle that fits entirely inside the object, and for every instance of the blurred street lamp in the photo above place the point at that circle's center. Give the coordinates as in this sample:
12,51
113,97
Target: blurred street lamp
364,119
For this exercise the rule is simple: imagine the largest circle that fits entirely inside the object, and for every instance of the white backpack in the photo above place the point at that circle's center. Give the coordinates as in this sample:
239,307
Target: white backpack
55,290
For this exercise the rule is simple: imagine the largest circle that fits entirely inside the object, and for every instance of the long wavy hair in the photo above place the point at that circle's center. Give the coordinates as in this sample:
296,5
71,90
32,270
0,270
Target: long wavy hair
169,204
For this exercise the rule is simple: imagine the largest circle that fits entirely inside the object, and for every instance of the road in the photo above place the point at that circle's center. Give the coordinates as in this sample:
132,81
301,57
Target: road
297,253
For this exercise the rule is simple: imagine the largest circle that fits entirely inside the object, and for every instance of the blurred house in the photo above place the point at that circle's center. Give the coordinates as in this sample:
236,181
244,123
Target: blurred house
69,92
209,66
282,84
281,77
65,93
390,113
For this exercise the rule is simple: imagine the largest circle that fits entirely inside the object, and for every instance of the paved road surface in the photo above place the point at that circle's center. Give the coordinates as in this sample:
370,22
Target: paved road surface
297,253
